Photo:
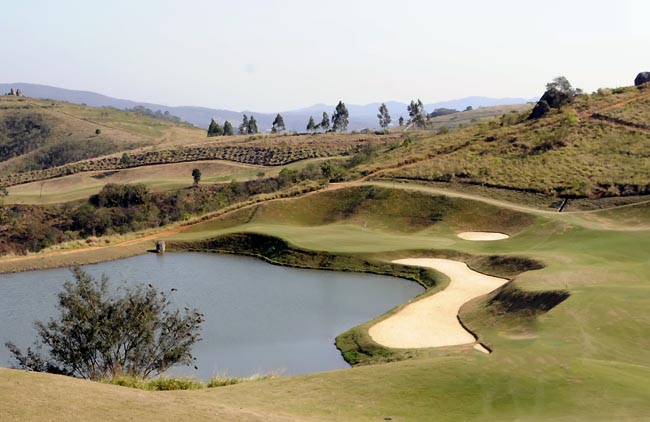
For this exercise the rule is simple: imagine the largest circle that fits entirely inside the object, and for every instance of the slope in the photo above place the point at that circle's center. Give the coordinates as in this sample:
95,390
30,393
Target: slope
38,134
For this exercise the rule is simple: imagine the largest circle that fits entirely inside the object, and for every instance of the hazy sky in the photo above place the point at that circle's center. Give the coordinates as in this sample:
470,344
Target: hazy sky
284,54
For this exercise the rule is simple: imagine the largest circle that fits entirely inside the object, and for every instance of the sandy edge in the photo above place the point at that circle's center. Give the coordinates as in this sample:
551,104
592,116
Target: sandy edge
433,320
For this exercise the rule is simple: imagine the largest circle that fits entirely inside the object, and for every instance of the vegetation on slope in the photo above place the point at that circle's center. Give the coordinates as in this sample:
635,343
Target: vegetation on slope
125,208
568,153
381,209
39,134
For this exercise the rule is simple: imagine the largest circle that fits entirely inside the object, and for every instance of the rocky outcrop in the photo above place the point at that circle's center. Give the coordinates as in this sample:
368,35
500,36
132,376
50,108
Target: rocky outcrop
642,78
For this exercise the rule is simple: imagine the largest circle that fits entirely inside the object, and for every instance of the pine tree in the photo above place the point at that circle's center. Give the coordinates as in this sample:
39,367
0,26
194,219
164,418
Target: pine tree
212,128
228,130
252,125
218,130
278,124
325,123
311,126
384,116
401,120
243,128
340,119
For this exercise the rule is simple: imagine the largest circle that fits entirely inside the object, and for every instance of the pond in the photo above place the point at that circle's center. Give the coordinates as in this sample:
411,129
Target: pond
259,318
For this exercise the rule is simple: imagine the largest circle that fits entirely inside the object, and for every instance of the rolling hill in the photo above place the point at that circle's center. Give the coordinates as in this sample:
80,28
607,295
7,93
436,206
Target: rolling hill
361,116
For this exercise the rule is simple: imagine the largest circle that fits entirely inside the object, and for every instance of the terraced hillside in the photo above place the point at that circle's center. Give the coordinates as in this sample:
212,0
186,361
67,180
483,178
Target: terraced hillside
38,134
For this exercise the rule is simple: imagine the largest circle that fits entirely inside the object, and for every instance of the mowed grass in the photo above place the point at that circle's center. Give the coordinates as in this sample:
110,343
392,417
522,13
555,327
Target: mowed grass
586,360
158,178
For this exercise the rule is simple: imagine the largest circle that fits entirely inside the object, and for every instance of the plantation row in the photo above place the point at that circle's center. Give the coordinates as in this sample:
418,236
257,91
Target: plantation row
271,156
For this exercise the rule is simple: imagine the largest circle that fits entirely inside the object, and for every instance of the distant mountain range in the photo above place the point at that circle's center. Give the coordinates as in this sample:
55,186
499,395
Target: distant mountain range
361,116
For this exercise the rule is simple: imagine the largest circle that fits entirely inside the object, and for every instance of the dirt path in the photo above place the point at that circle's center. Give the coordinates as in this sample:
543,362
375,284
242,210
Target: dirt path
433,321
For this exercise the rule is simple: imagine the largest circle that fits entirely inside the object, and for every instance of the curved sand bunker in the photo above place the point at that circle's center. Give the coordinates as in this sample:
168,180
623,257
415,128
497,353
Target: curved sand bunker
433,321
482,236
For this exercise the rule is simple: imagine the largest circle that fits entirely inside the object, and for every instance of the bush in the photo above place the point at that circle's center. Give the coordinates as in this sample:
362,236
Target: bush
222,380
98,131
156,384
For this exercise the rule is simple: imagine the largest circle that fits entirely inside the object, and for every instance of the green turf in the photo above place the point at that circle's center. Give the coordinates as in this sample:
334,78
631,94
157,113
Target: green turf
587,359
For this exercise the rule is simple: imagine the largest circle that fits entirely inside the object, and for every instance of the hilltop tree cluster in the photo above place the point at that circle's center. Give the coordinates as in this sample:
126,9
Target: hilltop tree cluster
248,126
15,92
158,114
340,120
215,129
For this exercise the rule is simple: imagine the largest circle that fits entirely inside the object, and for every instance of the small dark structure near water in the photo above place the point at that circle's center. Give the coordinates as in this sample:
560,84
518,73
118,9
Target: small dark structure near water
160,246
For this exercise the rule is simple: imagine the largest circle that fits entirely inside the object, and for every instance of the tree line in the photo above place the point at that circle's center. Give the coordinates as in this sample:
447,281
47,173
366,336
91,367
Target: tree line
339,120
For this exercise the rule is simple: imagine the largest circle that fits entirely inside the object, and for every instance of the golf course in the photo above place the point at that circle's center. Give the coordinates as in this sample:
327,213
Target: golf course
527,314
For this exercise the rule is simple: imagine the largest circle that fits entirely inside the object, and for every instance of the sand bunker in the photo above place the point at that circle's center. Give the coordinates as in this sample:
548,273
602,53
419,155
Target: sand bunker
433,321
482,236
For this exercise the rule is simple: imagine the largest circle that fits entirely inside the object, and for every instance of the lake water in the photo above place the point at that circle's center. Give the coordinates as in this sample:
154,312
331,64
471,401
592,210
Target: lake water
258,317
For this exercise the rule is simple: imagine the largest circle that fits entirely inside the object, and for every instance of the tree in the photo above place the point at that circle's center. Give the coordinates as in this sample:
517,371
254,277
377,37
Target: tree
252,125
383,116
325,122
562,84
215,129
196,175
278,124
126,159
228,130
469,108
340,119
401,120
311,126
417,114
98,335
243,128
